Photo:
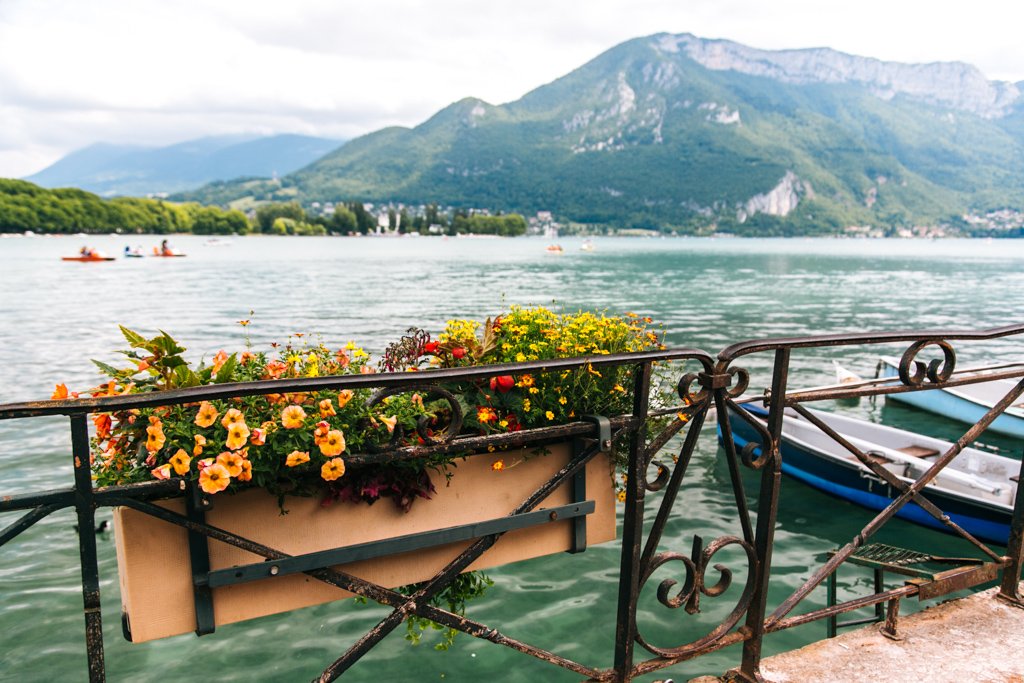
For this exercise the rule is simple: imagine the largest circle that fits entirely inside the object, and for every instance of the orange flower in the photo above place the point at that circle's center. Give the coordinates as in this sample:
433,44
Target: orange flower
333,443
238,432
332,469
246,473
155,435
246,357
162,472
485,415
103,423
498,465
214,479
296,458
274,369
327,408
292,417
259,436
200,442
233,415
344,396
207,414
61,392
320,433
232,462
180,461
219,360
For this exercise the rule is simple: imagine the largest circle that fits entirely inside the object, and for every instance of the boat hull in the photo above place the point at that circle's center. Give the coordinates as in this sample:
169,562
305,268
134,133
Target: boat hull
956,407
858,485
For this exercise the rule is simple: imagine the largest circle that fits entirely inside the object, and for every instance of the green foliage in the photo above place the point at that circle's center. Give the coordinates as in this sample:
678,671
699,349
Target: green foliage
24,206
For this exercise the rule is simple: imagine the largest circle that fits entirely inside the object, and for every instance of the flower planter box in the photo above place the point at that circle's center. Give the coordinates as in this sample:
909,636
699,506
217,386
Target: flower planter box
154,562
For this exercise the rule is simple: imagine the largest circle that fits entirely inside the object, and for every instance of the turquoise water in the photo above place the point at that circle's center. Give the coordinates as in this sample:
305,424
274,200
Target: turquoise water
708,293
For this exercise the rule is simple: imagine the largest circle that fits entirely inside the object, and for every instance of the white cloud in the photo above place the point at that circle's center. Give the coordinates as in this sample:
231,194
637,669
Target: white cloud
141,71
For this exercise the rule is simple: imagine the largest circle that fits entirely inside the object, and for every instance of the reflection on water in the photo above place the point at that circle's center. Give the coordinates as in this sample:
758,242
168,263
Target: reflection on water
55,316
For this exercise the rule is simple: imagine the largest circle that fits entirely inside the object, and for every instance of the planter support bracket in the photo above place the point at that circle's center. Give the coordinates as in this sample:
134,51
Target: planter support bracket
579,480
196,504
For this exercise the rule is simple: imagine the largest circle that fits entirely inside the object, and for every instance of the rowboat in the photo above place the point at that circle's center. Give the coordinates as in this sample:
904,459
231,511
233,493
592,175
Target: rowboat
976,489
964,403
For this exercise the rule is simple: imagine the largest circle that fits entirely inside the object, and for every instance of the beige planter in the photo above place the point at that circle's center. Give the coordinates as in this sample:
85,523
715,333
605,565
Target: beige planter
153,556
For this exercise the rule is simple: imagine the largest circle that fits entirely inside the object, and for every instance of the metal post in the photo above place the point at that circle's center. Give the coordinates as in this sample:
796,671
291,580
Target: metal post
1010,589
767,511
632,531
85,506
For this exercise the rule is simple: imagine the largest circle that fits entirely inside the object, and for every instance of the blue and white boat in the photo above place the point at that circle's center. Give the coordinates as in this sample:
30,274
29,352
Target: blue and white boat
966,403
976,490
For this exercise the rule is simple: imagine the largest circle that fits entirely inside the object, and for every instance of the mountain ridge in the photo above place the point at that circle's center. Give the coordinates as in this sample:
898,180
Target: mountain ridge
112,169
647,135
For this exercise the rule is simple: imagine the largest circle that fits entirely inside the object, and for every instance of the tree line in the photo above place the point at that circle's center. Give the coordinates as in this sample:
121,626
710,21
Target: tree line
28,207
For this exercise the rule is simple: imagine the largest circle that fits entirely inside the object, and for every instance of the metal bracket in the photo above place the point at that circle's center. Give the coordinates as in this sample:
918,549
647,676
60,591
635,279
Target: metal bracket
196,505
579,480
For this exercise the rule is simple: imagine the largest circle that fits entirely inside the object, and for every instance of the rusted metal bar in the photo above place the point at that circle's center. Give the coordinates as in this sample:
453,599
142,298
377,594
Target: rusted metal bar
1009,589
456,566
767,511
894,481
890,511
85,507
848,606
776,343
892,617
329,382
632,530
26,522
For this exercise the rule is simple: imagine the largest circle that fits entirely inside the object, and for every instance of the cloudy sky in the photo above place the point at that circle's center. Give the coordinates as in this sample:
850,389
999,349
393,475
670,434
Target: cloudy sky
75,72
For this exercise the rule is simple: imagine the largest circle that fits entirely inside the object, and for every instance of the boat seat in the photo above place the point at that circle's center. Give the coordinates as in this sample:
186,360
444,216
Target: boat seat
878,458
919,451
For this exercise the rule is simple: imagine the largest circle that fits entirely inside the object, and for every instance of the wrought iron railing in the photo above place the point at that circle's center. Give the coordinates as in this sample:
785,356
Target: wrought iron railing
718,388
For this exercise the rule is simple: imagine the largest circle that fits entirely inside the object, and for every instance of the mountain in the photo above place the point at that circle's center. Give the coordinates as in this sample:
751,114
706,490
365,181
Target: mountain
680,132
132,170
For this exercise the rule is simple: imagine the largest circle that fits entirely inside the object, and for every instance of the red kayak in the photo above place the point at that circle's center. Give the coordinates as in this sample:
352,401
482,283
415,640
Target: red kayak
86,258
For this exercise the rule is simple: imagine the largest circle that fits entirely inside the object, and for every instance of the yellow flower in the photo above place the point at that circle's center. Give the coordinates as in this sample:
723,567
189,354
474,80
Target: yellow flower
389,422
214,478
296,458
207,414
200,442
180,461
549,415
333,444
232,462
238,432
327,408
526,404
498,465
563,400
621,496
534,390
332,469
292,417
232,416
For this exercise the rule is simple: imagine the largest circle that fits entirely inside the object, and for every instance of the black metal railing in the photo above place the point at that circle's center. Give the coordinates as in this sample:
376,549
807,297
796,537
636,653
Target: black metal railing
718,388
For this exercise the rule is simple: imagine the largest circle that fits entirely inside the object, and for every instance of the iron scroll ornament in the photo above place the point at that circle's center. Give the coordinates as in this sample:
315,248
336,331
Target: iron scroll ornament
936,371
424,429
694,585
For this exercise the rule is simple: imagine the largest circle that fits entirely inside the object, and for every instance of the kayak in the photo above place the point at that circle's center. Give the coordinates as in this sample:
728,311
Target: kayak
86,258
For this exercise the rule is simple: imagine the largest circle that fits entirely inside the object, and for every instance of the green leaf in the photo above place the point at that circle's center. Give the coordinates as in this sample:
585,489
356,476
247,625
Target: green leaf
227,370
108,370
166,344
135,339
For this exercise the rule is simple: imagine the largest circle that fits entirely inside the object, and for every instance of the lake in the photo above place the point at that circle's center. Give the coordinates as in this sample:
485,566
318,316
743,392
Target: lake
707,293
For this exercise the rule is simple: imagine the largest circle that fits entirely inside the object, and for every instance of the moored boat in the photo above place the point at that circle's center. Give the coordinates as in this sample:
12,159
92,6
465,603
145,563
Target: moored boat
976,489
965,403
